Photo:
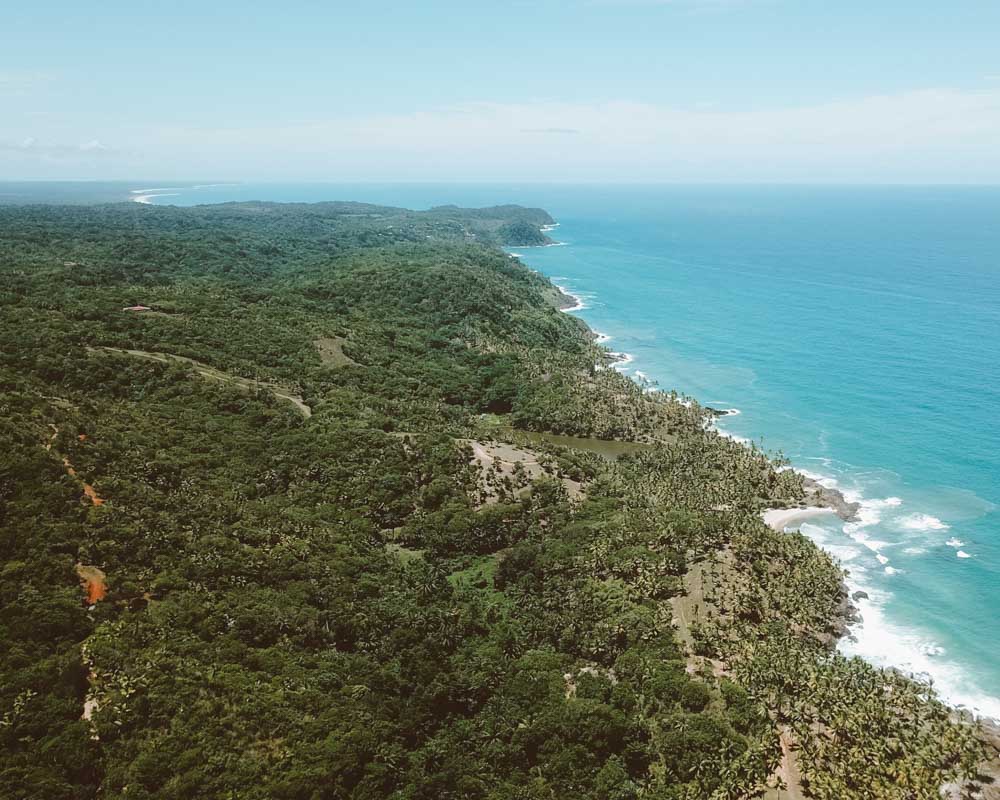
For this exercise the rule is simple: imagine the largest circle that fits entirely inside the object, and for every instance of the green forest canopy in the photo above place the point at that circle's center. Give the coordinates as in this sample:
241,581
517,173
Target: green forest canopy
310,573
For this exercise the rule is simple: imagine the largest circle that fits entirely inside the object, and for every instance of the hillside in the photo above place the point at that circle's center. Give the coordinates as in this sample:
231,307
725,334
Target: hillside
334,516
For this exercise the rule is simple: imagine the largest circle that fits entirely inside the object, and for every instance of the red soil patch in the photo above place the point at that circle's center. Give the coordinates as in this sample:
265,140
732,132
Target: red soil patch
88,491
93,581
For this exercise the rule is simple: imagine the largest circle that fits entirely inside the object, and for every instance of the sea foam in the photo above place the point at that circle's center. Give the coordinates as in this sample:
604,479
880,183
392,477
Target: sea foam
921,522
578,304
886,644
875,638
623,361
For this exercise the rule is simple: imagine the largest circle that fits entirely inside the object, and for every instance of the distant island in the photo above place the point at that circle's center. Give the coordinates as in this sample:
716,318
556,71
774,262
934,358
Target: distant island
333,500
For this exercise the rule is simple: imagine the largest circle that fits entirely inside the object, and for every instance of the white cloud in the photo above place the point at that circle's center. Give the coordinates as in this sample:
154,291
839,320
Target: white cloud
31,147
557,131
18,83
929,135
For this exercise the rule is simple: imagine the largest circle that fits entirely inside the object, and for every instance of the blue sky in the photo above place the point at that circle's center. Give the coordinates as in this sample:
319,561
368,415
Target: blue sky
575,90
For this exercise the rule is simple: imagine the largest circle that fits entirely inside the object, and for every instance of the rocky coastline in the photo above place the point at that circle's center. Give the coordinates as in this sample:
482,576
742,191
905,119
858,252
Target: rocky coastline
819,495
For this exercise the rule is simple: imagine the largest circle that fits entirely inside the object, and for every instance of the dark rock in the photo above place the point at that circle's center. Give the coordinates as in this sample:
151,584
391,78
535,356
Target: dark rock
819,495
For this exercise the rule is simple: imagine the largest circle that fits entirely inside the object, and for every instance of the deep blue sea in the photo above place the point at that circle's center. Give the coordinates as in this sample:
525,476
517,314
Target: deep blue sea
857,330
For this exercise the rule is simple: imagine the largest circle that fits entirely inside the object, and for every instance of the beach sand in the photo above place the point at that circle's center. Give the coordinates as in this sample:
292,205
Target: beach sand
783,518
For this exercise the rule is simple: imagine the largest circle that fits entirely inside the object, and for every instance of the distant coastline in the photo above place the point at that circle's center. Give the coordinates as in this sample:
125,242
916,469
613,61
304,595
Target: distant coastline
747,603
147,196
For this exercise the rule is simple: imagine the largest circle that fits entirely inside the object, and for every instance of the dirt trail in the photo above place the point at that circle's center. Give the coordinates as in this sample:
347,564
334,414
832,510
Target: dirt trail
788,771
94,583
688,606
205,371
91,704
92,579
691,608
88,491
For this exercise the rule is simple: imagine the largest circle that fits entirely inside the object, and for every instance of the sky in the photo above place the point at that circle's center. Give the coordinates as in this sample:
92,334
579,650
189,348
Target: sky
803,91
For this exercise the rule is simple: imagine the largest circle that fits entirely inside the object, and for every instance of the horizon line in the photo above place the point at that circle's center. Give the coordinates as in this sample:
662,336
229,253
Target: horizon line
200,182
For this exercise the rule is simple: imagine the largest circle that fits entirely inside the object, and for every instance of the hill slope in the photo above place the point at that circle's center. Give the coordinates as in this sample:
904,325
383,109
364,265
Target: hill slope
292,532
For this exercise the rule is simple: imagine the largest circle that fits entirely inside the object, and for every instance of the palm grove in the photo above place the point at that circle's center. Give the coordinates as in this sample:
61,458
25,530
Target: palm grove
299,581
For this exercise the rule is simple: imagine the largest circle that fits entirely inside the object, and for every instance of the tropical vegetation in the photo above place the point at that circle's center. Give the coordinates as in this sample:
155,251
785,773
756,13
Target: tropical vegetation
287,511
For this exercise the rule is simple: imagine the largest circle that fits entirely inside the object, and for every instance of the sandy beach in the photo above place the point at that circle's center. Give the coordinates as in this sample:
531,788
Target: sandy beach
782,518
145,196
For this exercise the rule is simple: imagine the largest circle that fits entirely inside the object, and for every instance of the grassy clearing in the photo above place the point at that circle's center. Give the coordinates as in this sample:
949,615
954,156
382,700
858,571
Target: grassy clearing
331,352
478,578
606,448
506,469
404,554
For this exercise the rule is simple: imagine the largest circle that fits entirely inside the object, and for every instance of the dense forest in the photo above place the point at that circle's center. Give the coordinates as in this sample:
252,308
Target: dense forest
319,501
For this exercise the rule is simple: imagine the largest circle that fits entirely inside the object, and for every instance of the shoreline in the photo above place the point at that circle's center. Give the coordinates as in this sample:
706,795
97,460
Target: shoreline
821,500
861,605
145,196
568,301
780,519
825,496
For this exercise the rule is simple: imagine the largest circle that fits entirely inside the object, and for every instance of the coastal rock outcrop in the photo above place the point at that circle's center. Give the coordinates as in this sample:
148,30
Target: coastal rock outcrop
819,495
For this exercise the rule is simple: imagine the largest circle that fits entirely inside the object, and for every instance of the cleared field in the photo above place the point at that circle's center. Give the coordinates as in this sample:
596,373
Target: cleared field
331,352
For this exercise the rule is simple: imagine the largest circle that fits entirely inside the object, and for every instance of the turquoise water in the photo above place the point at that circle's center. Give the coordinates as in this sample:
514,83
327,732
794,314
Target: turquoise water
856,329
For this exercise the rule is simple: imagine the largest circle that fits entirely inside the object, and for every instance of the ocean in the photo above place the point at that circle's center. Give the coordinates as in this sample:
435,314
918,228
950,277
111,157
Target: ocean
856,330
